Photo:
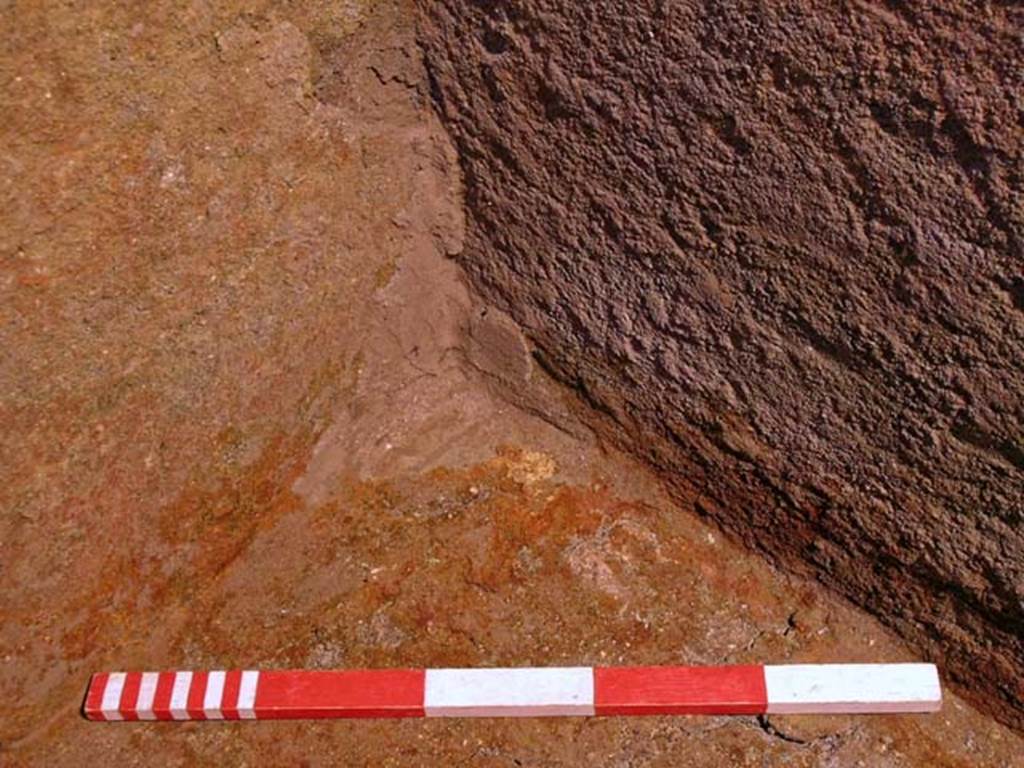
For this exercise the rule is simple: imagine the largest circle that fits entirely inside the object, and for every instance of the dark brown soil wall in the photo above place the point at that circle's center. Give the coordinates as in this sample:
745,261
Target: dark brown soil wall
777,247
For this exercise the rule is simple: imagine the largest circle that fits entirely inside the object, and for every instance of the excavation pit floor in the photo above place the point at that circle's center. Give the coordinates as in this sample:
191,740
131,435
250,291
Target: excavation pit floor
542,552
311,459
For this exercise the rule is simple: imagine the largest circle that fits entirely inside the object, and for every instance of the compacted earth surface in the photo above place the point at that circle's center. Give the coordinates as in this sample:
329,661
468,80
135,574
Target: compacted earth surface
251,416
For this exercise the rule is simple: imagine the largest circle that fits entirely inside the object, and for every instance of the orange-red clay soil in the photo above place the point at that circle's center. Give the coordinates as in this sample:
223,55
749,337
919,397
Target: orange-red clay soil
249,415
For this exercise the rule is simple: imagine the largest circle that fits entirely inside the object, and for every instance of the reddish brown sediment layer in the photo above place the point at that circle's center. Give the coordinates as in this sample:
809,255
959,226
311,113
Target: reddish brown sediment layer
777,249
246,419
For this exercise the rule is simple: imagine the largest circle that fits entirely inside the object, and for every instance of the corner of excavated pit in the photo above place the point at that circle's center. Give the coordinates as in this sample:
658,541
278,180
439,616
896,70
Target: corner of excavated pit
777,250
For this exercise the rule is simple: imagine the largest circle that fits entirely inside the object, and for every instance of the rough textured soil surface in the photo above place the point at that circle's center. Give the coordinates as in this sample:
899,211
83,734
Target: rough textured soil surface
777,249
249,415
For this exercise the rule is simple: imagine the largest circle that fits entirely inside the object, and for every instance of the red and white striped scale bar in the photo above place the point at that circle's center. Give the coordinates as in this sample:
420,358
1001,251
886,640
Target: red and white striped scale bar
514,692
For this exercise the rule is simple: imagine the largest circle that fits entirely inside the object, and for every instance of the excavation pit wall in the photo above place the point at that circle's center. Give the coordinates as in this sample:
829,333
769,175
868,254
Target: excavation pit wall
776,250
